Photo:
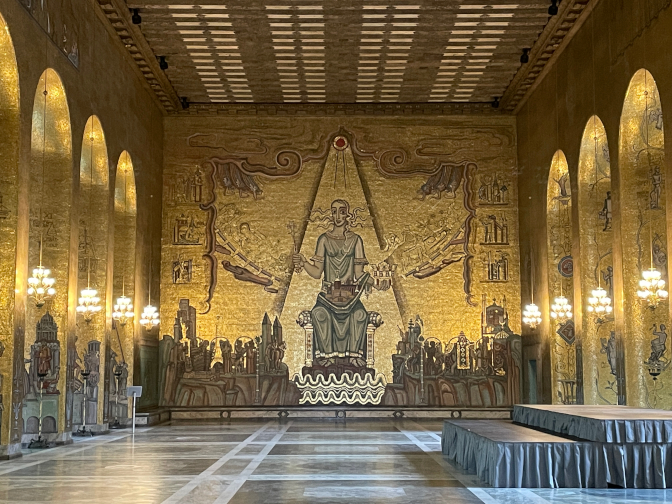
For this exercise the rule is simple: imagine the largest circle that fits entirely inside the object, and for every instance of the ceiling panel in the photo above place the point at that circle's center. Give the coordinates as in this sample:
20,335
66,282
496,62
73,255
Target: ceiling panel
345,51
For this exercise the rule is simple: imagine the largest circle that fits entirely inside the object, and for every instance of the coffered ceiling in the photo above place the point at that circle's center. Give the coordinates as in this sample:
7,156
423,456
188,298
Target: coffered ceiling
224,52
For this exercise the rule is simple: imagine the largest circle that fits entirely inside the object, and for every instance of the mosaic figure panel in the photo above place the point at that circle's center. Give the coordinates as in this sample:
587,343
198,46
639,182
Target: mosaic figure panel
644,241
560,279
339,232
602,351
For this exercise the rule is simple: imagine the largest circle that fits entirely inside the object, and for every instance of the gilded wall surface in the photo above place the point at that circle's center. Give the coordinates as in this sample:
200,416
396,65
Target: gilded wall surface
47,344
41,341
92,266
326,236
121,349
644,241
560,279
602,355
9,158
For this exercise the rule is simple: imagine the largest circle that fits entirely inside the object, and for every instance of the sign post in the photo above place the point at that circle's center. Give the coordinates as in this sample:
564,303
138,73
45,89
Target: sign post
134,392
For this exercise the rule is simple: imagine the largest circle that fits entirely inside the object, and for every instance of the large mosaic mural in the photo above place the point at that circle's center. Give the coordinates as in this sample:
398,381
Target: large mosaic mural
319,261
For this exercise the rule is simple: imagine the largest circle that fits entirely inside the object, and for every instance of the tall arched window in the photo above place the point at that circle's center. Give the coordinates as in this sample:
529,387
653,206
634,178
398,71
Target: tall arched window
94,210
596,243
644,241
9,163
46,343
120,364
560,286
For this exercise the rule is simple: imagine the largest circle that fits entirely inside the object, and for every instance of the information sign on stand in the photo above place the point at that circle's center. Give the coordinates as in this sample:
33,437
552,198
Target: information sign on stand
134,392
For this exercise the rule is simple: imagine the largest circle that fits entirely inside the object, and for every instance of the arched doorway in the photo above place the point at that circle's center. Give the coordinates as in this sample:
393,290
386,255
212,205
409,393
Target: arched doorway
560,285
600,360
643,241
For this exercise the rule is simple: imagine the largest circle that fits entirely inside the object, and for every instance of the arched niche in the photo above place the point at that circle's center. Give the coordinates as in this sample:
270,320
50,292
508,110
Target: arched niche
643,241
121,343
560,270
94,200
9,162
50,203
596,246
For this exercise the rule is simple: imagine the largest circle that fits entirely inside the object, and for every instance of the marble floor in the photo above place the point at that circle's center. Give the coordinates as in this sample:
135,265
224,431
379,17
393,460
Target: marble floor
302,461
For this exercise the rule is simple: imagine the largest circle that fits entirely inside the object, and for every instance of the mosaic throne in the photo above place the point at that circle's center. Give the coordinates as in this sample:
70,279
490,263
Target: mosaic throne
314,366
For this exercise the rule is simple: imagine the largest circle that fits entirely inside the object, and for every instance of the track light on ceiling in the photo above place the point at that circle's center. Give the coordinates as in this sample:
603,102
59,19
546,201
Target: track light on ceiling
553,9
525,57
163,64
185,102
495,102
136,18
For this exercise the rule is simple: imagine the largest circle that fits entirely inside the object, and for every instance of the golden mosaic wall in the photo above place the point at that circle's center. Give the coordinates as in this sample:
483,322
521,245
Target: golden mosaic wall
436,199
600,350
50,193
9,156
560,282
93,259
644,241
125,214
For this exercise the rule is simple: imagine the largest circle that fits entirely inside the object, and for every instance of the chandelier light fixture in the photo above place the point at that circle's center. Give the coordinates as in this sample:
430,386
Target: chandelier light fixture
89,302
40,284
652,288
599,302
150,315
561,310
123,309
531,313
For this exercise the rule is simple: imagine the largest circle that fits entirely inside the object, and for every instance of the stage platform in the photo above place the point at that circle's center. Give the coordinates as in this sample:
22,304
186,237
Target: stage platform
566,447
506,455
603,424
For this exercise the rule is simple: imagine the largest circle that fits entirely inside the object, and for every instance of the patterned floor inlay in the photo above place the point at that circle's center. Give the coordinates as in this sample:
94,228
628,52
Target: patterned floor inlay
269,462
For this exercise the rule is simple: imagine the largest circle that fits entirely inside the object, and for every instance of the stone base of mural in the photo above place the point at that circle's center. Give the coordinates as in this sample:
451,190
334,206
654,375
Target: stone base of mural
236,390
467,391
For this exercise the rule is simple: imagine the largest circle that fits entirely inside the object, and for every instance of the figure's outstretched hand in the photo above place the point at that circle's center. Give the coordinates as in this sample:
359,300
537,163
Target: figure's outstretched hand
298,260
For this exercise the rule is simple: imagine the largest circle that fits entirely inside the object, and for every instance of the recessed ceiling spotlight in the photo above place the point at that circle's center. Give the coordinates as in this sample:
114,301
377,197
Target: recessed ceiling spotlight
553,9
525,57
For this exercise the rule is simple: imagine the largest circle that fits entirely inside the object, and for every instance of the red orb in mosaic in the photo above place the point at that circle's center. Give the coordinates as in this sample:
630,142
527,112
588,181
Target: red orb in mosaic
340,143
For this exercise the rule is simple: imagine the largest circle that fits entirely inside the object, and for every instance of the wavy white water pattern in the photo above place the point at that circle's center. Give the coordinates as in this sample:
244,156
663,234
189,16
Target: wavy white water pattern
347,389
